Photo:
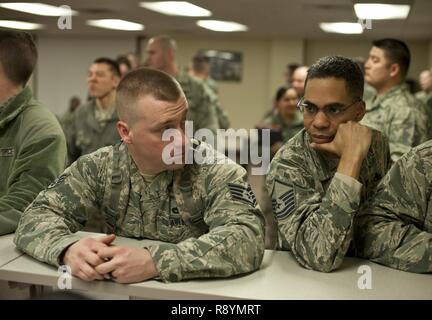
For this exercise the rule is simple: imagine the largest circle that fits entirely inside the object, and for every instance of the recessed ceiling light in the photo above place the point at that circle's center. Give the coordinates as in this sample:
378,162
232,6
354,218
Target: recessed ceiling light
176,8
379,11
342,27
116,24
222,26
21,25
40,9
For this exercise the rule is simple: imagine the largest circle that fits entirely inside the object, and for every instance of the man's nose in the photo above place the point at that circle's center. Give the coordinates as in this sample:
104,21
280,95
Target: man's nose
321,120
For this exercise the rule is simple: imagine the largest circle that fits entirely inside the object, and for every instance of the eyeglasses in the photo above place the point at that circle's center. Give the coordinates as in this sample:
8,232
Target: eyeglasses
331,111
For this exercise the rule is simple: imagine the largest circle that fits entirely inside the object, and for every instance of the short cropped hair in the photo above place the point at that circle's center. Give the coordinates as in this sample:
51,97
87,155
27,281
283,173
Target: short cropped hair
396,51
112,64
142,82
199,61
18,56
340,68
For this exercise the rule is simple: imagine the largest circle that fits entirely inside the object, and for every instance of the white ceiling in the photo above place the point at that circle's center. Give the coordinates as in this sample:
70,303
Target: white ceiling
266,19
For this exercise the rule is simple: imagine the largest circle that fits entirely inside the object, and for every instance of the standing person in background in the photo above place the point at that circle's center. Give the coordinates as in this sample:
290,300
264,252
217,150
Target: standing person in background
298,80
124,65
94,123
394,110
161,55
425,80
201,70
32,144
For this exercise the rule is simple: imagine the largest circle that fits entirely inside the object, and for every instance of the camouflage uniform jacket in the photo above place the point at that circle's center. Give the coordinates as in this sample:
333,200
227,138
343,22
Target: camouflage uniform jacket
288,130
202,104
314,207
206,213
401,117
87,134
395,229
32,155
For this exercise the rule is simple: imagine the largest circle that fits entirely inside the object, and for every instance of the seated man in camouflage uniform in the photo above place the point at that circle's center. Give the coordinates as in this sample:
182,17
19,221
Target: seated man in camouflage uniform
206,213
395,229
319,179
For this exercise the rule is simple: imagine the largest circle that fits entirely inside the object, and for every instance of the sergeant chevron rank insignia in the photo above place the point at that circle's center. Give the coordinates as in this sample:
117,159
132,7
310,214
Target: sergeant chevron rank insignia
283,200
241,193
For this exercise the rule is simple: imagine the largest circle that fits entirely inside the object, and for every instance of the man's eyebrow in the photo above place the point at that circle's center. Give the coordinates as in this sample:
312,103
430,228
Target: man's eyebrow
331,104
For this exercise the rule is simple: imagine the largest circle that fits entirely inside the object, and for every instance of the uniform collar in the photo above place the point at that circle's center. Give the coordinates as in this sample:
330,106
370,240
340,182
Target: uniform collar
14,106
377,100
158,186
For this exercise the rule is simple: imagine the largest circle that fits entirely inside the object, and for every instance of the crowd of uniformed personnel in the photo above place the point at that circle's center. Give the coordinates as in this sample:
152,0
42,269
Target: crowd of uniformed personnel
351,169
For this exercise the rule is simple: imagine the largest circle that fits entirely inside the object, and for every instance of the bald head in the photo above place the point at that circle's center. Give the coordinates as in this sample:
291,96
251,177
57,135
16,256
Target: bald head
144,82
299,78
160,54
425,80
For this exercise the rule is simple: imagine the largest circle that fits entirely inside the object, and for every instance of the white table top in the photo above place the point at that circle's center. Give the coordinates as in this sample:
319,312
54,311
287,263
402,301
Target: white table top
279,277
8,251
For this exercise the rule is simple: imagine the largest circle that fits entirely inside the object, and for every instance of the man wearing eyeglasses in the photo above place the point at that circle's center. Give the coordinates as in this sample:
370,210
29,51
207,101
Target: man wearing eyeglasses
319,179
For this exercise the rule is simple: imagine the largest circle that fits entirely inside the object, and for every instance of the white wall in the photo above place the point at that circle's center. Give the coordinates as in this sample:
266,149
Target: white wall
263,67
63,64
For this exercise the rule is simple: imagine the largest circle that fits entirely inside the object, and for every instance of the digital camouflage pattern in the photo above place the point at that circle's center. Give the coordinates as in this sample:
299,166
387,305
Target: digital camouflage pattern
201,102
32,155
395,228
288,130
315,210
90,130
401,117
206,213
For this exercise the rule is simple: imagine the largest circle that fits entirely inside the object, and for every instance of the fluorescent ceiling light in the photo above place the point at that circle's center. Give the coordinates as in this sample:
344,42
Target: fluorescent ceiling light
342,27
21,25
378,11
222,26
116,24
40,9
176,8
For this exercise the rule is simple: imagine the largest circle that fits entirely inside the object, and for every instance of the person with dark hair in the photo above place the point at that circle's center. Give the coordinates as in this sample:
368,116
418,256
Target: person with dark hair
205,213
94,123
161,55
394,110
289,72
32,144
283,125
201,70
124,65
320,177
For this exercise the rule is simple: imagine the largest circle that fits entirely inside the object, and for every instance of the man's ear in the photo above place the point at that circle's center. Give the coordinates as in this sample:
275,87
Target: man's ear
360,110
395,70
116,81
124,132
